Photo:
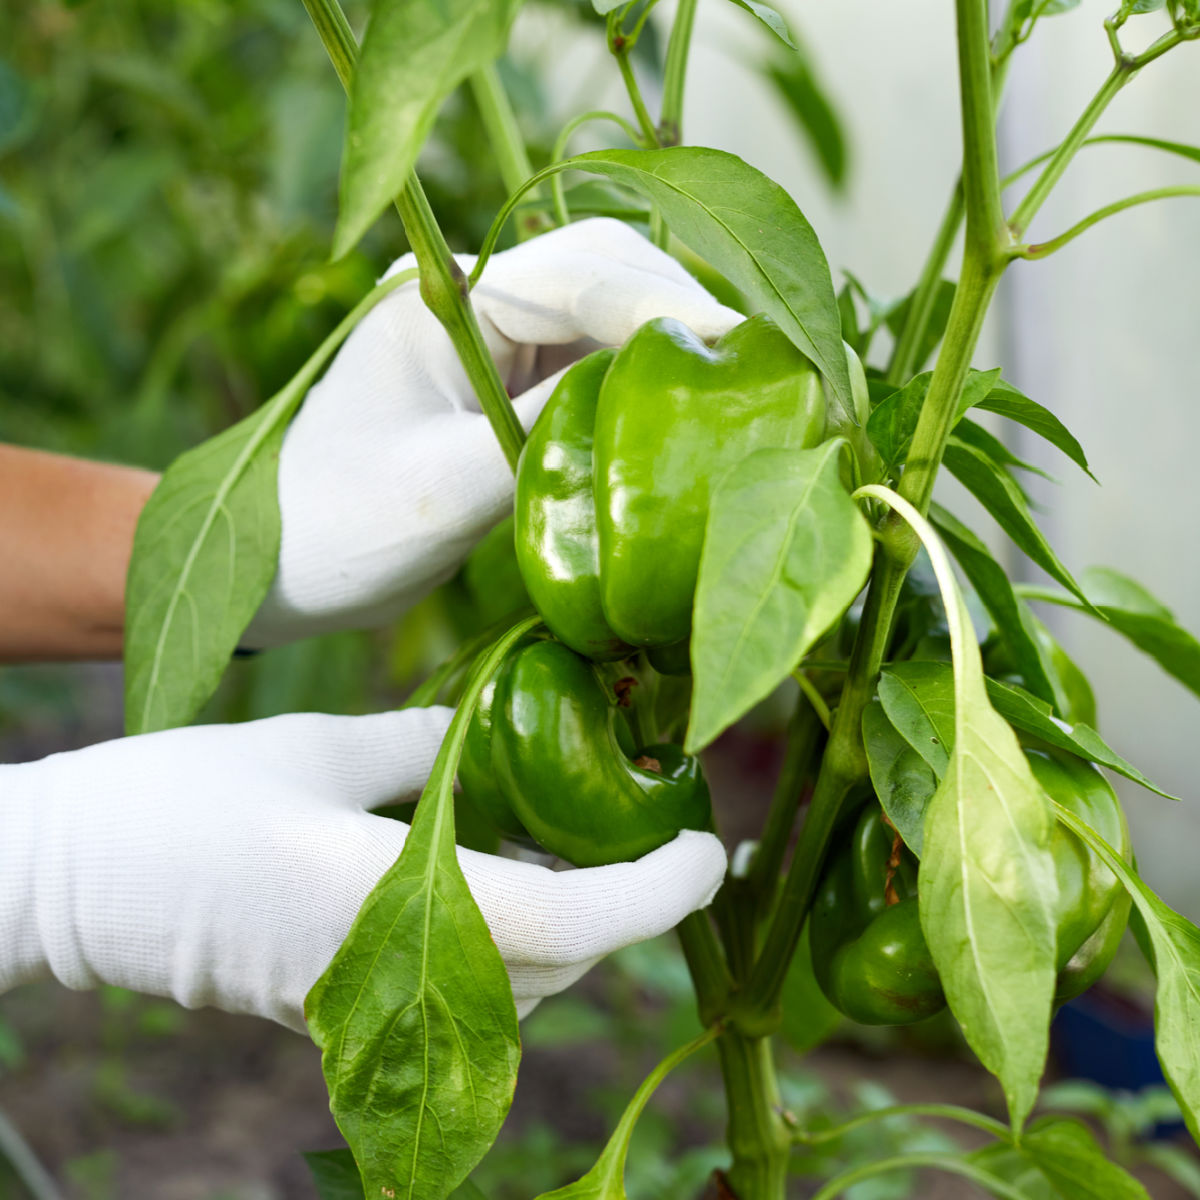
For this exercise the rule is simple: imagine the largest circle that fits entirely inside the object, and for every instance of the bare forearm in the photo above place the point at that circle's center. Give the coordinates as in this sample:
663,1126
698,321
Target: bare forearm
66,533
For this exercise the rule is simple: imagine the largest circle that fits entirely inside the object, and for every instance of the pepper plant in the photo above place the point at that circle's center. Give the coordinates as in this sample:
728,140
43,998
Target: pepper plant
968,760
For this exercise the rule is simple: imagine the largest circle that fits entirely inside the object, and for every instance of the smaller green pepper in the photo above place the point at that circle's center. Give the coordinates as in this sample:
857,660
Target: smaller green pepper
869,952
544,757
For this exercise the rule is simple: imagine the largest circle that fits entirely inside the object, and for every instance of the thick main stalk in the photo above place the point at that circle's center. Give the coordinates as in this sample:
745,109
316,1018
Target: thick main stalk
758,1136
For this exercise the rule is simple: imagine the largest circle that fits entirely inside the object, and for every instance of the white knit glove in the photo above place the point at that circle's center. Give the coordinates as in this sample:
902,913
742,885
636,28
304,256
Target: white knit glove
223,865
390,474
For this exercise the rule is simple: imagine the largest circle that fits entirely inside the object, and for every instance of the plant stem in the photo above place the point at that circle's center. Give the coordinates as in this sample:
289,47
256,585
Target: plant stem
710,976
649,133
1052,172
758,1136
560,149
843,767
1044,249
907,1162
443,285
670,125
500,121
25,1165
904,361
803,737
948,1112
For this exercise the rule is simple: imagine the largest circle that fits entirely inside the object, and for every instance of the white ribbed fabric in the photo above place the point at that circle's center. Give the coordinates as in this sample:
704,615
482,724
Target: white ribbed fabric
223,865
390,474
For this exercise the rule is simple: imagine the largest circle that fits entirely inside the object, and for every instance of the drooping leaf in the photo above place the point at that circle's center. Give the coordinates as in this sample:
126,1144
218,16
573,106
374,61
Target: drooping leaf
1007,401
988,444
769,17
414,54
606,1180
987,884
795,80
1010,613
995,489
206,549
1175,942
785,553
1132,611
414,1016
1026,712
902,779
204,555
893,422
745,226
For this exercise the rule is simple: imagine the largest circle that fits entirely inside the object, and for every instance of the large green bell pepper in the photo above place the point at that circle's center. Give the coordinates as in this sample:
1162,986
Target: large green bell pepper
869,953
614,483
544,758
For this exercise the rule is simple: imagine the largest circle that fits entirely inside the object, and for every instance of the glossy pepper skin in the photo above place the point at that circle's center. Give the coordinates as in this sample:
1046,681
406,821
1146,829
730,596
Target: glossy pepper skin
545,756
869,953
558,549
674,416
614,482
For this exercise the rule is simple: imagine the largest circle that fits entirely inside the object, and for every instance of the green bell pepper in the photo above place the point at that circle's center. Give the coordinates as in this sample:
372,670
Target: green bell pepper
869,953
544,759
614,482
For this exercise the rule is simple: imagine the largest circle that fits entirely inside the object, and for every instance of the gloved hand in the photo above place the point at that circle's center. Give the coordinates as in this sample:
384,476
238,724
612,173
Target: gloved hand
224,865
390,474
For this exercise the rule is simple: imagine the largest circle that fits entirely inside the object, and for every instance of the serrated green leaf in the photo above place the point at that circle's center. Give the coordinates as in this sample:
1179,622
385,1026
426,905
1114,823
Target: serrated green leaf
995,489
414,54
902,779
414,1016
785,553
750,230
1176,948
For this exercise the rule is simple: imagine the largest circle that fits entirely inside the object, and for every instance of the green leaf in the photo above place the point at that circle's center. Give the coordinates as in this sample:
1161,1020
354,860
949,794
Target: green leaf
902,779
795,80
414,54
414,1016
918,698
893,422
993,448
1176,946
606,1180
785,553
1059,1159
206,549
204,555
1007,401
770,18
1011,615
335,1174
1132,611
746,227
1066,1153
995,489
987,883
1026,712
